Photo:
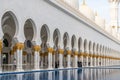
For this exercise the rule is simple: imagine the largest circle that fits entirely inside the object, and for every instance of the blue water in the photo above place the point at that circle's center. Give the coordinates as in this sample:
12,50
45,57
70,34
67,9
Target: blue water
73,74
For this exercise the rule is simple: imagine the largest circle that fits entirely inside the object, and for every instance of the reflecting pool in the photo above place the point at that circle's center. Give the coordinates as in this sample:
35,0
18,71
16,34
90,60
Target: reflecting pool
72,74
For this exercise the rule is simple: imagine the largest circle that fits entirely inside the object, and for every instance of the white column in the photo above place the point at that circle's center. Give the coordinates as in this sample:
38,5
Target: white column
98,60
91,61
61,58
36,60
68,60
19,60
41,65
81,57
94,61
76,60
86,61
102,61
50,50
36,57
19,52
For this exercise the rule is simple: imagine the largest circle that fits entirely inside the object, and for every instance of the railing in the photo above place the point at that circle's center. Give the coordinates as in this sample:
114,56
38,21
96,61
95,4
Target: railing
8,67
26,67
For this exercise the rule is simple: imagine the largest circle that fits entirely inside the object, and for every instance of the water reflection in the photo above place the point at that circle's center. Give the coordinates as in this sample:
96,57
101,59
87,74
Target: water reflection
74,74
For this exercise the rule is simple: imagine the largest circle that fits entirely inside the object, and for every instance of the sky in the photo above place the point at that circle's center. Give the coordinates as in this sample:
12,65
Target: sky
102,7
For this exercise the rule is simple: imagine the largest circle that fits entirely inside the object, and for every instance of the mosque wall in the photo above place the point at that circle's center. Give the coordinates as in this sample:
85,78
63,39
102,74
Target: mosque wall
43,12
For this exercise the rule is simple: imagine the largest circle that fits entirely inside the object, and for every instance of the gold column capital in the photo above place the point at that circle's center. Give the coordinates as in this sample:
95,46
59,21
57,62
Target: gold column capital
80,54
50,50
68,52
93,55
76,53
90,55
85,54
37,48
19,46
61,51
53,52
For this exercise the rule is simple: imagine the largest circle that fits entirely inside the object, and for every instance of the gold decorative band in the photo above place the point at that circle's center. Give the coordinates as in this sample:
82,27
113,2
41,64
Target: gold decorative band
76,53
37,48
19,46
81,54
50,50
68,52
61,51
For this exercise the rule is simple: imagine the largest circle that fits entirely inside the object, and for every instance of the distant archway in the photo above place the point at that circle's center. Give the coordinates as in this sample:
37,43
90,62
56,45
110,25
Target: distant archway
29,29
73,41
66,39
85,45
9,24
80,42
45,37
56,37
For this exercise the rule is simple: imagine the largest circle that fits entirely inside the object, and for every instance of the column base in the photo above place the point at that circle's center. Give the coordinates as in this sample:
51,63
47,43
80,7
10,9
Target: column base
49,68
0,69
36,69
75,67
19,70
61,67
68,67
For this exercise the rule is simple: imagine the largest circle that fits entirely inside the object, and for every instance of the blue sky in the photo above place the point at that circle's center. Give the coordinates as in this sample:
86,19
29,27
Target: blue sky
102,7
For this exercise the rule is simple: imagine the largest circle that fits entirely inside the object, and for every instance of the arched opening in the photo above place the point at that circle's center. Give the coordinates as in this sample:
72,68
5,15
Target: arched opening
85,45
65,43
94,48
90,47
66,40
6,43
6,53
29,29
9,26
80,44
29,32
56,40
97,49
45,36
73,41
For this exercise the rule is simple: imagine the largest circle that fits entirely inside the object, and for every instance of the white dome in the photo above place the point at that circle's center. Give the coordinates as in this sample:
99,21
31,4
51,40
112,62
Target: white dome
100,21
85,10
